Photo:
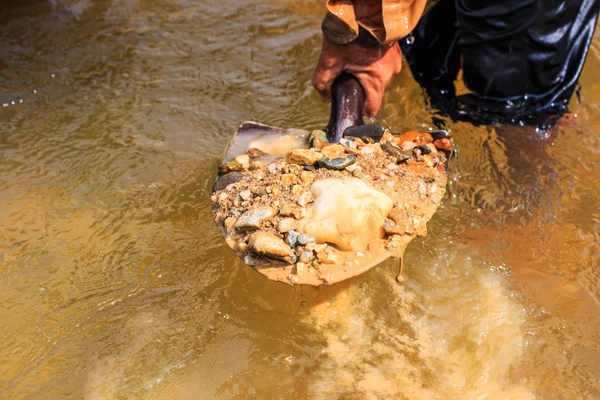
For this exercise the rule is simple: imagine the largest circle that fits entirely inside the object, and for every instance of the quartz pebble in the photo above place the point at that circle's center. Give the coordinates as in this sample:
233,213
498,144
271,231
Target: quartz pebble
245,194
348,143
304,199
286,225
244,160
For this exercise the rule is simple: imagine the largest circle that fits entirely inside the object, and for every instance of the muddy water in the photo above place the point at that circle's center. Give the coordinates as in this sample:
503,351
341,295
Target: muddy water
114,283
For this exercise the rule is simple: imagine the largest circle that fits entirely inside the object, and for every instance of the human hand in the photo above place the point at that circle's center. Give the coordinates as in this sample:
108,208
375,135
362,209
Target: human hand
373,67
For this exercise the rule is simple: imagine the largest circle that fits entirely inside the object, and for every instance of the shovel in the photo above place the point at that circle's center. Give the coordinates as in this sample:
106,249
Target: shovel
256,149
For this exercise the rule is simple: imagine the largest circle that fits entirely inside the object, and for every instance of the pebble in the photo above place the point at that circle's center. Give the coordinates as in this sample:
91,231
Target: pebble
443,144
295,211
245,194
300,269
366,150
413,136
222,197
353,151
225,180
254,152
320,135
292,238
407,147
337,163
297,190
306,256
307,177
304,239
395,151
255,165
428,160
231,166
304,199
396,244
333,151
248,259
229,222
243,159
304,156
432,148
348,143
289,179
271,246
328,256
272,168
423,149
286,225
251,219
315,247
391,228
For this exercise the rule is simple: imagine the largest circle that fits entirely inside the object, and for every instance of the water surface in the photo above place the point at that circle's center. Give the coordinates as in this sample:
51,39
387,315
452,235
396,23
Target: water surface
114,282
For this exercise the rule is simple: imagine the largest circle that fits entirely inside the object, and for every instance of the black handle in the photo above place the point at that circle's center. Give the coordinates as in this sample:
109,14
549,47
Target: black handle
347,102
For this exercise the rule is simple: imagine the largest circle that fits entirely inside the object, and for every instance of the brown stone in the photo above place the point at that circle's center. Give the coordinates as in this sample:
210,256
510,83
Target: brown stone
297,190
398,215
270,246
304,156
333,151
328,256
289,179
443,144
353,151
307,177
254,152
229,222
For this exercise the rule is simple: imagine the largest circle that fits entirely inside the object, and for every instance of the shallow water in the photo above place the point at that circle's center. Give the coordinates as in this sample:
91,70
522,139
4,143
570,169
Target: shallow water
115,283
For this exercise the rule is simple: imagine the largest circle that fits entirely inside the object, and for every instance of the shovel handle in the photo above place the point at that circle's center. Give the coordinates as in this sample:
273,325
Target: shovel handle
347,103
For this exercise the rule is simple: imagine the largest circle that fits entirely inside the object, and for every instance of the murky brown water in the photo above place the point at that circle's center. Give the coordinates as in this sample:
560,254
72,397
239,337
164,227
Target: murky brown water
114,283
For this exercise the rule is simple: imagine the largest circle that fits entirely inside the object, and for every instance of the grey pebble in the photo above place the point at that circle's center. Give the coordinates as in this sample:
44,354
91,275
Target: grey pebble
292,238
303,239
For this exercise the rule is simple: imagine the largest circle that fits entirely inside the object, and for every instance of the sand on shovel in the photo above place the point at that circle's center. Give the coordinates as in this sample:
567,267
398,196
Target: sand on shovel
300,210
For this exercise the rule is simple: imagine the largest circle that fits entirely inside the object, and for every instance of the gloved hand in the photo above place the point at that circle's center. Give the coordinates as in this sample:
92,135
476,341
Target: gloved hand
373,67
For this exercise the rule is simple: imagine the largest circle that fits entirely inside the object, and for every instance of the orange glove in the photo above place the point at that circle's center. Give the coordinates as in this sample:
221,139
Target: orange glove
373,67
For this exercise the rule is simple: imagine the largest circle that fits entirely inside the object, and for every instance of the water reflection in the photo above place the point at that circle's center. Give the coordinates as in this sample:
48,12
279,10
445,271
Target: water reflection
116,284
